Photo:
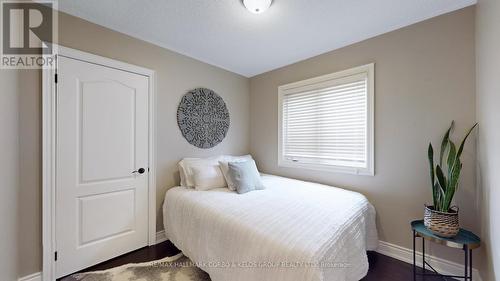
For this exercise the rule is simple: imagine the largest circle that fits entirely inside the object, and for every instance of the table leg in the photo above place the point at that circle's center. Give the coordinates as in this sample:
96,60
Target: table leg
466,255
414,258
423,258
470,264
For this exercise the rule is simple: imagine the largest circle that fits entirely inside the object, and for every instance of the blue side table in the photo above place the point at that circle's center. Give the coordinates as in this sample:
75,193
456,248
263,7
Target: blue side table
465,240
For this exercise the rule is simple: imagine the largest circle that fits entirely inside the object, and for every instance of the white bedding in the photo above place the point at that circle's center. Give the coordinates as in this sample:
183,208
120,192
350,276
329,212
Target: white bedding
293,230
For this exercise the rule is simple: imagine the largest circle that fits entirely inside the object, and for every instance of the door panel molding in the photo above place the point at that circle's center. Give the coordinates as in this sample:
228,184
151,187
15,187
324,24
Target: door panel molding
49,150
92,169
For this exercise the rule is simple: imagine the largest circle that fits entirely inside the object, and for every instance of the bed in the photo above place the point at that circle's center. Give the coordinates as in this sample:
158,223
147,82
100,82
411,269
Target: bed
292,230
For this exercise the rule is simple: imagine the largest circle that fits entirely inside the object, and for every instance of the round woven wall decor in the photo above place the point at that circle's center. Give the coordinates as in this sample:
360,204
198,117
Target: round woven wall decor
203,118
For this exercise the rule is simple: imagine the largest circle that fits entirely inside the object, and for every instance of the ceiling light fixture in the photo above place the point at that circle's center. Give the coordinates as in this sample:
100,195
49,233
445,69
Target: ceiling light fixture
257,6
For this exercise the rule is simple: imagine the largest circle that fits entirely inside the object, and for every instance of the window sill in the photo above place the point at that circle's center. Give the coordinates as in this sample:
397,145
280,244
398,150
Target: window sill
327,168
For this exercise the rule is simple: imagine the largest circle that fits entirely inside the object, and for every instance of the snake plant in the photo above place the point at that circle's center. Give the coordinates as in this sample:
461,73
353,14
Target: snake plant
446,174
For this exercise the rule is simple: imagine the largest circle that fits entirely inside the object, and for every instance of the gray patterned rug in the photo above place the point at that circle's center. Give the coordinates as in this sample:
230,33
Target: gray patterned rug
176,268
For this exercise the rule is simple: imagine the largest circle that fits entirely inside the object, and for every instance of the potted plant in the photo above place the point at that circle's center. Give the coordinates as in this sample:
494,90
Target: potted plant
441,218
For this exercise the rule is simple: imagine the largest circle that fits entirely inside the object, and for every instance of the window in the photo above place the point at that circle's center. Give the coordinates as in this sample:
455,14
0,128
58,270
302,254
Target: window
326,123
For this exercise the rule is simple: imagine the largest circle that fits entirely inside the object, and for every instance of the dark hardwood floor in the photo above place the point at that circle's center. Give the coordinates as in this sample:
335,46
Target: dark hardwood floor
382,268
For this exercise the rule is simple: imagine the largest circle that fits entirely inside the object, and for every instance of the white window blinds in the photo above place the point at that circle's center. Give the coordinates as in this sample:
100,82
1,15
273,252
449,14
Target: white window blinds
327,122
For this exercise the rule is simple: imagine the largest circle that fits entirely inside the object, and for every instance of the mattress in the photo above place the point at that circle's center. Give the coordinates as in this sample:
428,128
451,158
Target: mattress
292,230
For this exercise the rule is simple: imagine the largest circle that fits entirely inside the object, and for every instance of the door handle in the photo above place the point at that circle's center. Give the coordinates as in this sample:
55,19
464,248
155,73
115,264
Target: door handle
140,171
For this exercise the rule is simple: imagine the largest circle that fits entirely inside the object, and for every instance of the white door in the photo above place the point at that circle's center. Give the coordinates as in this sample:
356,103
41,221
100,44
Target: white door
101,164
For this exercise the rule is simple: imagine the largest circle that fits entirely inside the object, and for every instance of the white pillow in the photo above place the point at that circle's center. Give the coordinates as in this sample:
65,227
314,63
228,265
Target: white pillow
182,172
186,171
224,166
207,176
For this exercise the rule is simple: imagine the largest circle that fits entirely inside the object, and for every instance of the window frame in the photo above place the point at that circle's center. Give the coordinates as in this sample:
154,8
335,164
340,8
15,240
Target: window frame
369,70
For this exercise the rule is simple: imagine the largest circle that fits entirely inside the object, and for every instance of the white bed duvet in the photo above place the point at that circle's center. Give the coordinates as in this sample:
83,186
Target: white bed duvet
293,230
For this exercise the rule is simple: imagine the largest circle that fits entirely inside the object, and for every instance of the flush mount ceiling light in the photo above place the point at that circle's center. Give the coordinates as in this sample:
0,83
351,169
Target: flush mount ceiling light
257,6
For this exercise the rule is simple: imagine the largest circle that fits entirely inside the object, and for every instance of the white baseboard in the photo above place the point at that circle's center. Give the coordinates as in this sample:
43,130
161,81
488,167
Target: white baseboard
32,277
160,236
441,265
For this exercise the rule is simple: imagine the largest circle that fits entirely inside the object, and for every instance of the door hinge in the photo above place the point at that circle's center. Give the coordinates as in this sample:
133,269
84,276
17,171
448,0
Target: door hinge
55,78
55,256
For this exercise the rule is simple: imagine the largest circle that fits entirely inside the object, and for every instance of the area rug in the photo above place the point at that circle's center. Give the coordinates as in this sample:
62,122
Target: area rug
176,268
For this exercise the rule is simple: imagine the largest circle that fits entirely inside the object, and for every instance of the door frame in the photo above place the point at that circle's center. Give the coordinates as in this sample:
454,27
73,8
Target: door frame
49,150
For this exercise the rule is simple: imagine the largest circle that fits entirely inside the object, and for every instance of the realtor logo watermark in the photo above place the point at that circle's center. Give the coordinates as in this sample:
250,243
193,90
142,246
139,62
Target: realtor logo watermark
28,32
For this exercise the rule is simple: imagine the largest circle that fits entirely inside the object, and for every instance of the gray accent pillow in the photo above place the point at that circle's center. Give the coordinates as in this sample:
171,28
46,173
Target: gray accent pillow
245,176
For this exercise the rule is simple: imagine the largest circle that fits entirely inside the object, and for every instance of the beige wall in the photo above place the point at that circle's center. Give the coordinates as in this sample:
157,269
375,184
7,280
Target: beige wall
175,75
425,77
29,192
9,168
488,116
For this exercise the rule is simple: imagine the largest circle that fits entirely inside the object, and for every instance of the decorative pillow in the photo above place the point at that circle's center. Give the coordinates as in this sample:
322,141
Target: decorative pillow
186,164
207,176
225,167
245,176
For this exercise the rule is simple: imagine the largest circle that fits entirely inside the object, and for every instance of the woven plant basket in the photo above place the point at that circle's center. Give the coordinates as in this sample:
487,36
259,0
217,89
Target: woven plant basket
444,224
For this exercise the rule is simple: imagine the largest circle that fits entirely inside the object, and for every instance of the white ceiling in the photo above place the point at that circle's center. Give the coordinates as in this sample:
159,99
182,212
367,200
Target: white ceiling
225,34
